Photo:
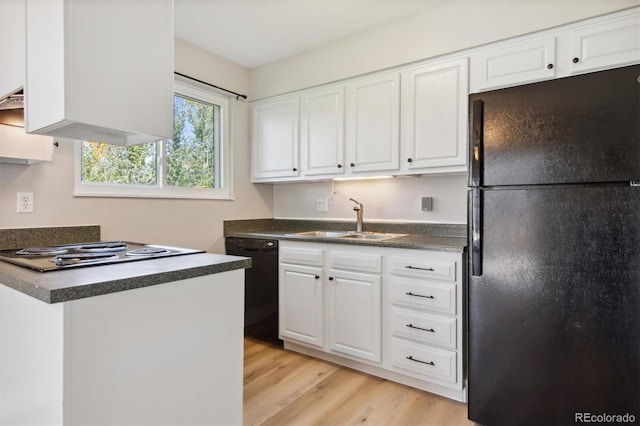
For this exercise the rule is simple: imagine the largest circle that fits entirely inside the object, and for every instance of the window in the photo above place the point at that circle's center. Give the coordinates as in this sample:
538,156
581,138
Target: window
195,163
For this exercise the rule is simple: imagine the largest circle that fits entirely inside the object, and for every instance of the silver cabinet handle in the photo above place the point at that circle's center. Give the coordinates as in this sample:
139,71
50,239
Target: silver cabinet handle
410,358
431,330
419,269
419,295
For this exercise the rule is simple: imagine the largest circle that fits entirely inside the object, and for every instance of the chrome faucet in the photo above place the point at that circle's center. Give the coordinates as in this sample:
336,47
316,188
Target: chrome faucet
359,209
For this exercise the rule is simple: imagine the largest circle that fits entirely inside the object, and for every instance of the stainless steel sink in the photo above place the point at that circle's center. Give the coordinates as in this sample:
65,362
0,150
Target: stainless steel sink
376,236
321,234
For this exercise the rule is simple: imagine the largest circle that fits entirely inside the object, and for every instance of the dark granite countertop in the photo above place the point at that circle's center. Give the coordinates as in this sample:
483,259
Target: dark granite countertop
419,236
78,283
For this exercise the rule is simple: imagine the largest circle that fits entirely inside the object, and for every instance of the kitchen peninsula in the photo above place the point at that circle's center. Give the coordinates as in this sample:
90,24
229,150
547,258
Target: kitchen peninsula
147,342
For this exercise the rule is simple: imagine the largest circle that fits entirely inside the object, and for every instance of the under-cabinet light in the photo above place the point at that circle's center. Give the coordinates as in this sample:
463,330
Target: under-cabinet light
363,178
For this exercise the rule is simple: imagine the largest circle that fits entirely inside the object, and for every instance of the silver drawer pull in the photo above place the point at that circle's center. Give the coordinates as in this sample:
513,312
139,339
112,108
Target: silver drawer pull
419,269
420,328
419,295
410,358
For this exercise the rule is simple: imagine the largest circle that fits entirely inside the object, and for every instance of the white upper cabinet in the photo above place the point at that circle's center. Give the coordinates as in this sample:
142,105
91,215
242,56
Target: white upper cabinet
275,138
593,45
601,45
322,132
413,119
373,123
16,146
338,130
12,31
514,63
434,117
100,70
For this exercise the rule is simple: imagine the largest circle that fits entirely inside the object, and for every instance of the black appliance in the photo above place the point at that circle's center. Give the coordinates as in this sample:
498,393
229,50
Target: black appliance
554,237
261,286
64,256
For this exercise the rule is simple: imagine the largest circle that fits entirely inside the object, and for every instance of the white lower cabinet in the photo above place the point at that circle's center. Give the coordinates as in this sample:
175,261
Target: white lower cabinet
301,294
354,303
394,313
331,299
424,300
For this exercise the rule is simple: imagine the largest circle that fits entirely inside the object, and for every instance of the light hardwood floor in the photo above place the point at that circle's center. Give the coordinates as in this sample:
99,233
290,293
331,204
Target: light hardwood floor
285,388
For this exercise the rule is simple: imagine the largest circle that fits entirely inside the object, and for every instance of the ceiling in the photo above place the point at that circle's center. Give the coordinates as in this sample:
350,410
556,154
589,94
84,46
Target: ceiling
255,32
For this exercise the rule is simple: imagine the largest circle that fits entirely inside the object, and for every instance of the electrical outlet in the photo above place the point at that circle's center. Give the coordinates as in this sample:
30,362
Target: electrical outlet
322,205
25,202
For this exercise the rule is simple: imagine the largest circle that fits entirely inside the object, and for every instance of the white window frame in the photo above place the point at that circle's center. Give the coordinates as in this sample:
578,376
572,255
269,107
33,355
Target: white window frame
224,164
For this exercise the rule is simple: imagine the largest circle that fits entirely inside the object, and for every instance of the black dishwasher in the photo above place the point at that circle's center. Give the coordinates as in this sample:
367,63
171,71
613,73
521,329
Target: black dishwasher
260,286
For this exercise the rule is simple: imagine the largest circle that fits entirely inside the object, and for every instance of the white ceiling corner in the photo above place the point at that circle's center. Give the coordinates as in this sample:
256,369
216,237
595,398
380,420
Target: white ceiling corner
256,32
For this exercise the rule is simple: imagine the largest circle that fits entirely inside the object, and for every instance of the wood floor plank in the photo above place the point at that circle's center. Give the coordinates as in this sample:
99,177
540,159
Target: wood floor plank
371,404
323,397
291,376
286,388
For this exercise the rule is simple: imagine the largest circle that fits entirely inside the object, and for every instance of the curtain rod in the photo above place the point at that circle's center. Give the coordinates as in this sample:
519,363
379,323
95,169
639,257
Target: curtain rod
238,95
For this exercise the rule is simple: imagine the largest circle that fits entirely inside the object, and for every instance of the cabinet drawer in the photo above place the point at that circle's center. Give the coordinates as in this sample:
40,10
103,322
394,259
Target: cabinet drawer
428,295
358,262
427,328
301,256
424,268
424,360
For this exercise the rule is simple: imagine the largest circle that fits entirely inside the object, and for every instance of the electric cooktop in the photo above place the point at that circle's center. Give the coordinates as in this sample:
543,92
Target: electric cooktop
64,256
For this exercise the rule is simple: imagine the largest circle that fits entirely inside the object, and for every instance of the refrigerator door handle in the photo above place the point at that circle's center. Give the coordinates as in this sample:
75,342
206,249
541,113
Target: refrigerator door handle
476,231
476,143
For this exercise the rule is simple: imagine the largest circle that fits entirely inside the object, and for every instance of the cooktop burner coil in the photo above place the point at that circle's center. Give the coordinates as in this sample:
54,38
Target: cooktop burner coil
74,258
147,251
107,247
41,251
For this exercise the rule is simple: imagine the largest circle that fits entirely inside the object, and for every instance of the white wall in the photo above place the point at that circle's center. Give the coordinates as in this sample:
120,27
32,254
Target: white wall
190,223
396,199
452,27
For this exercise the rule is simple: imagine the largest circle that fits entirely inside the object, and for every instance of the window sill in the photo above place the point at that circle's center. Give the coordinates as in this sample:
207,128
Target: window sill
106,191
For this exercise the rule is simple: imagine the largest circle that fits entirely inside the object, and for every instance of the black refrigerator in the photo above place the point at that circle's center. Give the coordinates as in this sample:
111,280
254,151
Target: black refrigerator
554,238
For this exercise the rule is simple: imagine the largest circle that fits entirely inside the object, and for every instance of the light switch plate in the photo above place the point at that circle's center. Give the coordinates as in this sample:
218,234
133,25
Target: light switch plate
427,204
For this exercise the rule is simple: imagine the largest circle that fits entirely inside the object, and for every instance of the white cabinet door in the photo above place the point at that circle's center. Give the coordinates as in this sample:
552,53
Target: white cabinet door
373,121
434,116
274,138
12,33
100,71
514,63
606,45
354,314
300,304
16,146
322,132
